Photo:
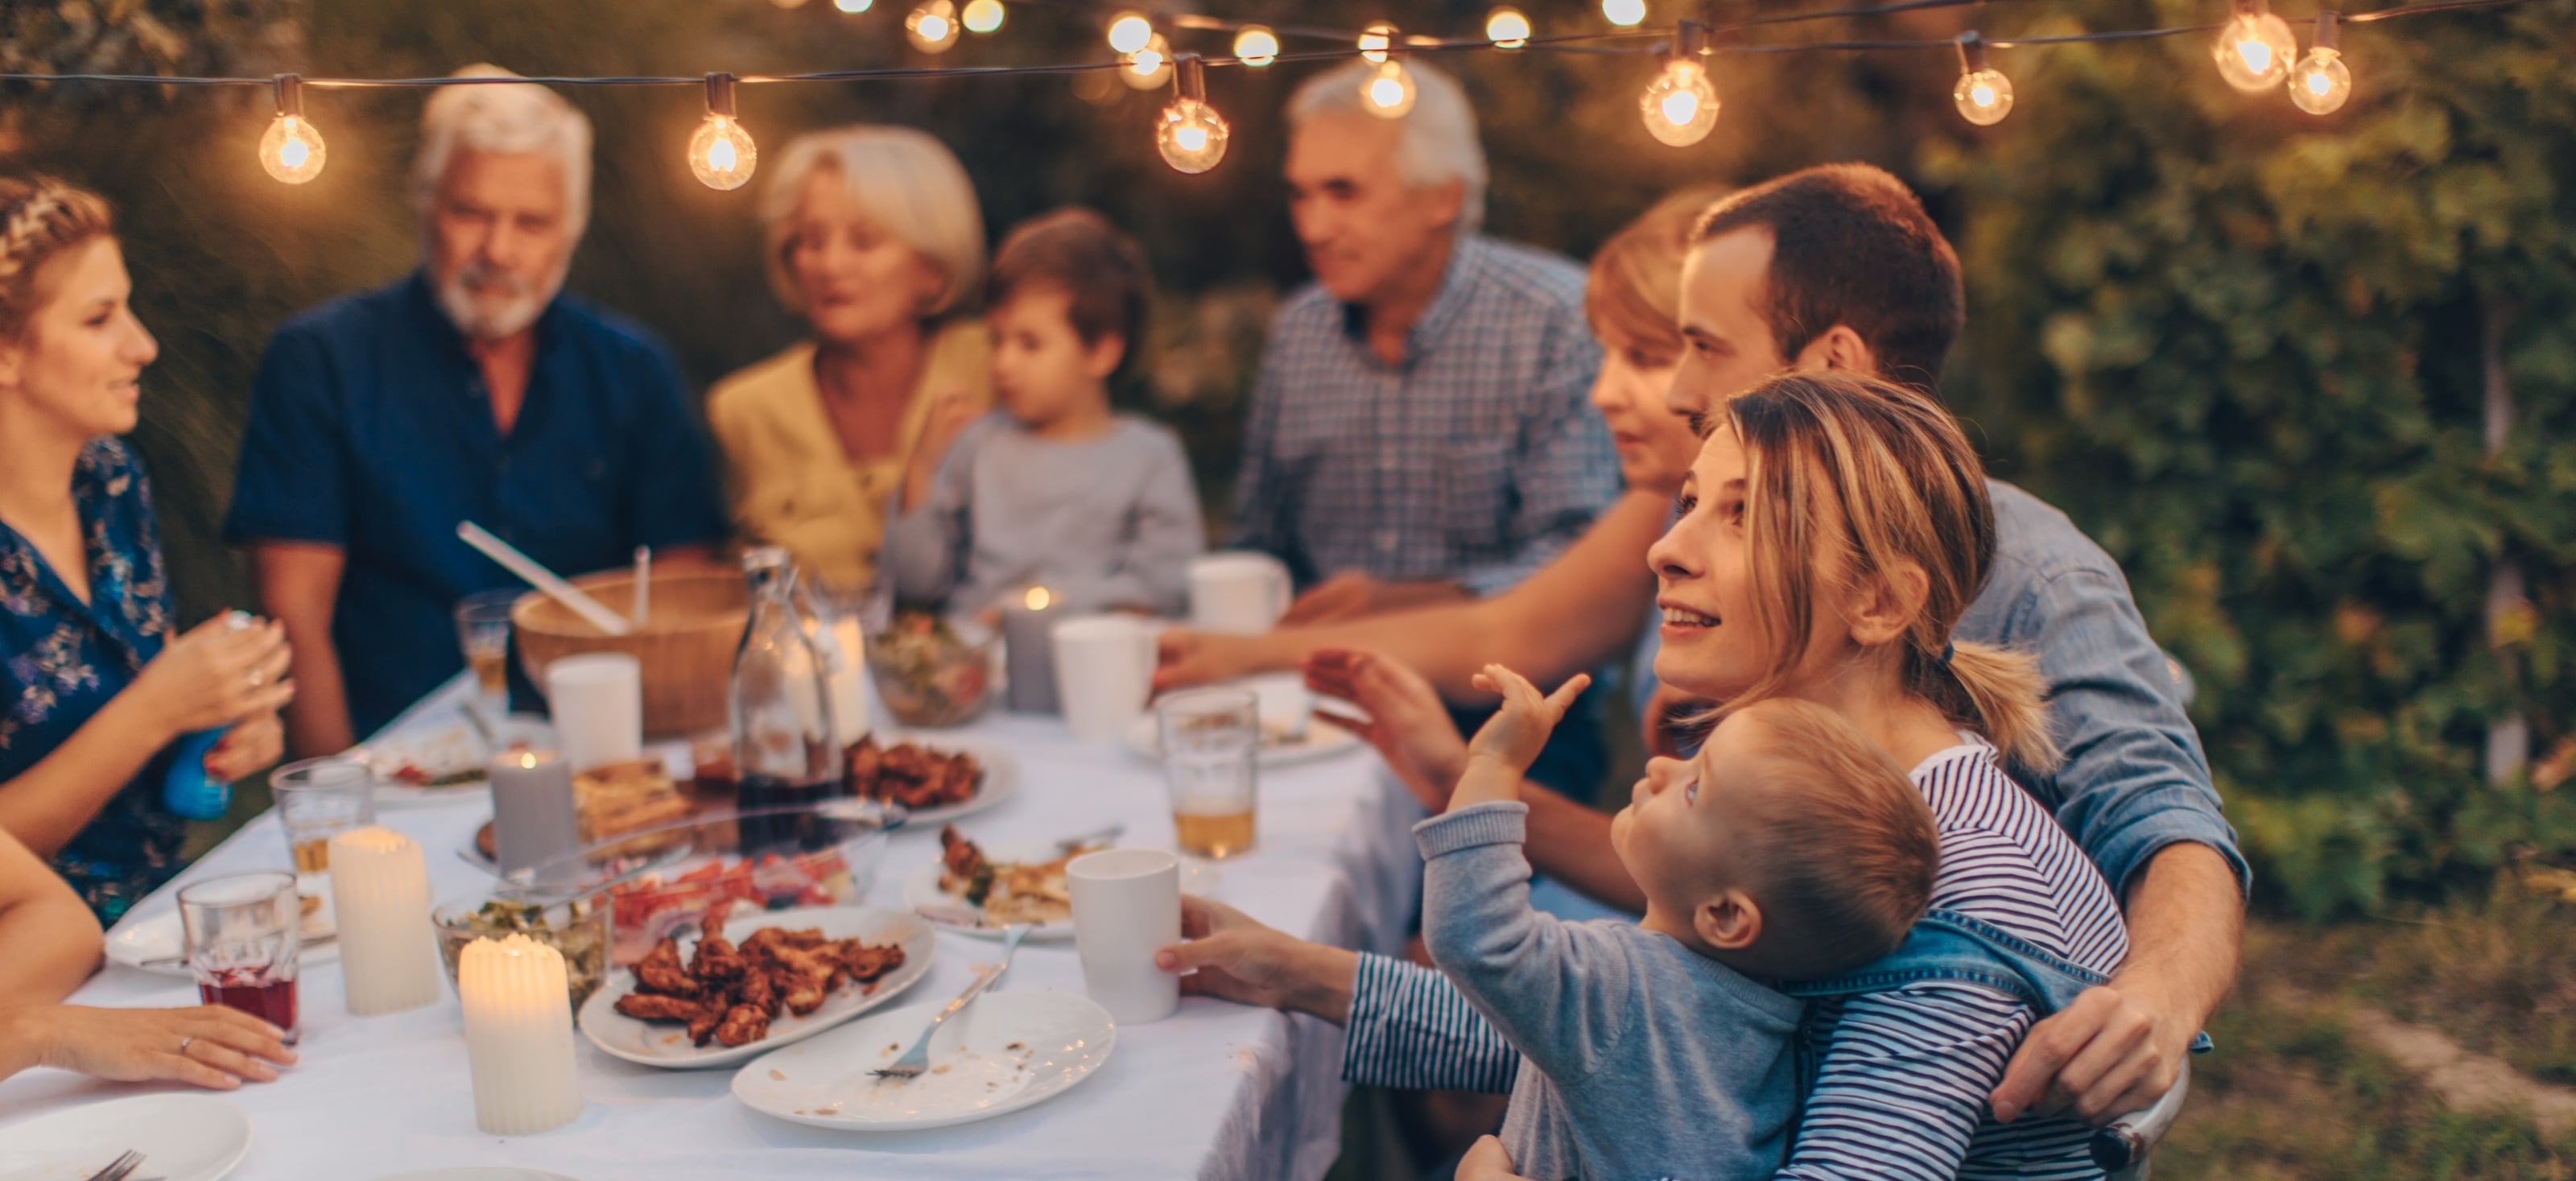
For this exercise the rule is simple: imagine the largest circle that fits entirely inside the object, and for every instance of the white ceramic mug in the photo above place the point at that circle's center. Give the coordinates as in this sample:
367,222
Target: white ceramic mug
1241,592
1127,906
1104,671
598,706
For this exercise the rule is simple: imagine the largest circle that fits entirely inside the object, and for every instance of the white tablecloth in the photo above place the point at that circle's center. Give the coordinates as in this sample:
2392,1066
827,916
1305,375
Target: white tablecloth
1217,1091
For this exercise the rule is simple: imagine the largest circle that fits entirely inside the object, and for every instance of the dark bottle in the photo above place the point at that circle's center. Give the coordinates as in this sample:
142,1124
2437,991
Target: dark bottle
781,713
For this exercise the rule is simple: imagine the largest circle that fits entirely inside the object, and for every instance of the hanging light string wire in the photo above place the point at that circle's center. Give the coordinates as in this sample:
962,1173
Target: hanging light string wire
1647,42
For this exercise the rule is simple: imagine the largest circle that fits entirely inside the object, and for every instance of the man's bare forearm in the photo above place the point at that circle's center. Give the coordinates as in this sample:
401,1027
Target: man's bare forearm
2186,921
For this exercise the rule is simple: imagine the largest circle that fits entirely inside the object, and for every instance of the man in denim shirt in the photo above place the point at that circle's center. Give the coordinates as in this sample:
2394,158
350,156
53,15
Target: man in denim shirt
1839,267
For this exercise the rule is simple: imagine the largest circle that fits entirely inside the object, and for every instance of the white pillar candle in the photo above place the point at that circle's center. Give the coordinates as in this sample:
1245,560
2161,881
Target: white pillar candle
518,1036
534,818
598,705
380,896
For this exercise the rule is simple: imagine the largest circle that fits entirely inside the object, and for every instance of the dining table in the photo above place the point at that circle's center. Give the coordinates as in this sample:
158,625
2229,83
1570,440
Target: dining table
1218,1090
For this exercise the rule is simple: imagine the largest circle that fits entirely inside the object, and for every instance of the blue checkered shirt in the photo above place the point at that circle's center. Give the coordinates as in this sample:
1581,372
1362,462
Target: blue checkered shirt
1474,461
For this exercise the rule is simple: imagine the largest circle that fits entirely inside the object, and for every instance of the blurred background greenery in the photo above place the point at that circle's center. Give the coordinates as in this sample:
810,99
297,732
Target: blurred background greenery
2248,349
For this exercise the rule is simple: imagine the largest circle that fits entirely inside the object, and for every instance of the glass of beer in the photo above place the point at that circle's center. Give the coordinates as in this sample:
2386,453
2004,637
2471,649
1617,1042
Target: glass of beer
483,628
318,799
1210,738
244,935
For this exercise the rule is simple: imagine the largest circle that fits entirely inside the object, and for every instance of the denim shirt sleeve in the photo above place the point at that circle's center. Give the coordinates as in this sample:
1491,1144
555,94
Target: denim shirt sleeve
2135,779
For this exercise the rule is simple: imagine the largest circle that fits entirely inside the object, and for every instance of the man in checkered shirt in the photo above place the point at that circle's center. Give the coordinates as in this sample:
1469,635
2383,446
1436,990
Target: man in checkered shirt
1420,431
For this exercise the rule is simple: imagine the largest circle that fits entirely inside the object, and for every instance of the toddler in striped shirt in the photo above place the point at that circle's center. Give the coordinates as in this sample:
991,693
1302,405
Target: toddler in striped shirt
1788,849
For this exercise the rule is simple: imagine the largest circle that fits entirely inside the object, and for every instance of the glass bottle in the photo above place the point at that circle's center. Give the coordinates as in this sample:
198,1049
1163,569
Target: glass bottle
781,710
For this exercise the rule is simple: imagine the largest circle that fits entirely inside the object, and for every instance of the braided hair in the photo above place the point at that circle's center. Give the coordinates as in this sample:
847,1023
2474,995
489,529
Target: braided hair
41,219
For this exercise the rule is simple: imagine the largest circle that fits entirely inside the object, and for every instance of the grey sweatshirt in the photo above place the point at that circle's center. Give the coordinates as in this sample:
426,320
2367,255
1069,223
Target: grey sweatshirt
1106,522
1639,1057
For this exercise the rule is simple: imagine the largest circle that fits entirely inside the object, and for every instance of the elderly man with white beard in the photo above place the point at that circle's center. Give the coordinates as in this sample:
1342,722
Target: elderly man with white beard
471,390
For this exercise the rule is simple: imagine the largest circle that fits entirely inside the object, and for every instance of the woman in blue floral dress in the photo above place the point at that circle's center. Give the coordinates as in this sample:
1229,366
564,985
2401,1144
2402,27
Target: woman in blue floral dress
94,686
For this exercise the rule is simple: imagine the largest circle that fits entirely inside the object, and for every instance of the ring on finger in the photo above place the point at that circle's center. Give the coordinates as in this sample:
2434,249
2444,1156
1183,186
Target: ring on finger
186,1042
258,677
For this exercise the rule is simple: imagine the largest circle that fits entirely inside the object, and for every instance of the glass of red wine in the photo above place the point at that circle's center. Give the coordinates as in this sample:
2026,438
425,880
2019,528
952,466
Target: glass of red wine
244,932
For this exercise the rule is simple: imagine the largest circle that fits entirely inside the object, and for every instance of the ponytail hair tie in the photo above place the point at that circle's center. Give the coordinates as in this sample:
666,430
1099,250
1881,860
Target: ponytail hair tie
1948,650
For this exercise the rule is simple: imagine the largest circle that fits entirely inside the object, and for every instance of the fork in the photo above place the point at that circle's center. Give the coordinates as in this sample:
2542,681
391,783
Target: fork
917,1059
118,1169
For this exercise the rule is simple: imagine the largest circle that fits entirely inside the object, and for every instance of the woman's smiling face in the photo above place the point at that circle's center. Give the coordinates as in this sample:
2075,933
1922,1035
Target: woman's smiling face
1715,646
80,360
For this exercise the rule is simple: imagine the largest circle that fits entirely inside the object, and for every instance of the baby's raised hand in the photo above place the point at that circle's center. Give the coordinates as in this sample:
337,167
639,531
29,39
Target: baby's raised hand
1518,731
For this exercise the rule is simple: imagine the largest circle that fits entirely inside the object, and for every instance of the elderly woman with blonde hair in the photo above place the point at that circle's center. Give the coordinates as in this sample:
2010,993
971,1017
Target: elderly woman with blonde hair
874,237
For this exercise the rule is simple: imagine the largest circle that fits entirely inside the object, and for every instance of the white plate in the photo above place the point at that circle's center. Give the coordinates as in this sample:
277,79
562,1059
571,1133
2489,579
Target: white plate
182,1138
1322,740
666,1043
1287,707
921,892
159,940
1001,774
441,747
1062,1039
478,1173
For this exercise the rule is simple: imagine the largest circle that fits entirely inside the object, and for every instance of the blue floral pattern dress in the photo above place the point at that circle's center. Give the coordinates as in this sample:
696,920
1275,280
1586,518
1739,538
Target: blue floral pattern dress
61,660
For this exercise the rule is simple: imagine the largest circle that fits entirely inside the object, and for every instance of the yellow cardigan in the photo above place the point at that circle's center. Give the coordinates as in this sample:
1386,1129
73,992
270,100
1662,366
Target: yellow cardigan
792,484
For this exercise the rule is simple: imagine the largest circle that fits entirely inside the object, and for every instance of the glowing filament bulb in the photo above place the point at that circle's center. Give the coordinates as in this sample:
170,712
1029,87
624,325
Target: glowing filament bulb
1389,91
1507,28
721,154
1983,94
1375,38
853,7
1626,14
1148,68
1190,133
291,150
1680,106
2254,51
1129,32
932,28
983,16
1256,46
2321,82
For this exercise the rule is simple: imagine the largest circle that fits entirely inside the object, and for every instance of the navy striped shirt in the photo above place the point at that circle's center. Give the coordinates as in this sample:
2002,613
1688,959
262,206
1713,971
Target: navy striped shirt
1905,1073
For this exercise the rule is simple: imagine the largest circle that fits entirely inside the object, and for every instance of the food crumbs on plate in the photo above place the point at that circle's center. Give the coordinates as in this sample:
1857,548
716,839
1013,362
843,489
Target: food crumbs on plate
891,1047
939,1069
1015,1046
777,1076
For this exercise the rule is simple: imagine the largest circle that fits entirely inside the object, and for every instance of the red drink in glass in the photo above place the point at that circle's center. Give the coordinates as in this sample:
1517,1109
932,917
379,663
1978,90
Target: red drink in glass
243,936
252,991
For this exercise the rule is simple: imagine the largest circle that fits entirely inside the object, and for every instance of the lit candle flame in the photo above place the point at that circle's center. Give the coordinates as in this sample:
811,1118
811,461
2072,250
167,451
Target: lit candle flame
1038,598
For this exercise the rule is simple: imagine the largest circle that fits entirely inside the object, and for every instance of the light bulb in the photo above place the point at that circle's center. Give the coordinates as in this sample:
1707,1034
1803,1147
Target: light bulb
1256,46
1626,14
983,16
1680,106
2254,51
1389,91
292,151
932,28
1192,135
1375,38
2321,82
1148,68
1507,27
1984,96
721,154
853,7
1129,32
788,3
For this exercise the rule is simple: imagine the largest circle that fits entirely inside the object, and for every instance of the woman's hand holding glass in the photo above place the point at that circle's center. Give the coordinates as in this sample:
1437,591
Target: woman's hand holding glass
1232,956
216,674
207,1046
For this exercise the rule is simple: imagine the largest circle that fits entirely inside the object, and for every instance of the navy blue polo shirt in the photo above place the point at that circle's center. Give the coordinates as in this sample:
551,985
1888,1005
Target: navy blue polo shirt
370,430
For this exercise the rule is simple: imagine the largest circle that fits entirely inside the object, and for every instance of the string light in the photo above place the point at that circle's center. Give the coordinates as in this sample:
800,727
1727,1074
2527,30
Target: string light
1984,95
854,7
932,28
291,150
1374,40
1507,28
1680,106
721,154
1148,68
1256,46
983,17
2322,82
1130,32
1191,134
2255,48
1626,14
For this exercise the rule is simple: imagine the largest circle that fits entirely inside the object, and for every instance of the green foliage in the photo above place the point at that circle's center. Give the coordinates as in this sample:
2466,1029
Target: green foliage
2245,347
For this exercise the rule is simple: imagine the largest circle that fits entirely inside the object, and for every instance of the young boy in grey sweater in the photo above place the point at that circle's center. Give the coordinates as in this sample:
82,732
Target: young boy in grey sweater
1789,848
1053,489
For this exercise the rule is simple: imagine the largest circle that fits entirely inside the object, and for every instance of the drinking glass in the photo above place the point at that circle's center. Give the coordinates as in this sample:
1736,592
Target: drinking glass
318,799
1210,738
483,628
243,935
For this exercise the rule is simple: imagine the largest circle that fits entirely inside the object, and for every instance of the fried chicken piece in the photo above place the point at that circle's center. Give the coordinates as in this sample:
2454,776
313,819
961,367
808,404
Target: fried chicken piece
859,774
702,1028
762,940
660,972
716,963
867,964
756,988
645,1006
959,855
711,925
743,1025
